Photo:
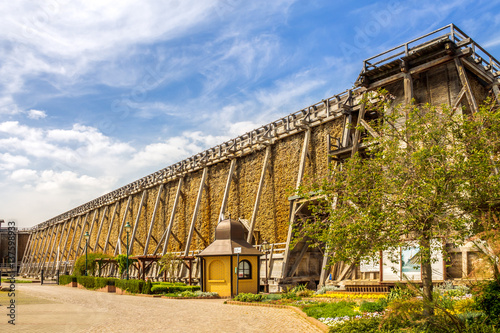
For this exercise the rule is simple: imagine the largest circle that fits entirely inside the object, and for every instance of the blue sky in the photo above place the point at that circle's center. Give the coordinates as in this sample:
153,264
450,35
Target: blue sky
96,94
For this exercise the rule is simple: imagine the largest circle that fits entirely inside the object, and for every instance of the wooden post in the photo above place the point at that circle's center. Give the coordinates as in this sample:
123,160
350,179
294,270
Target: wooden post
119,240
226,190
37,253
496,92
70,226
44,254
357,133
65,227
77,250
53,246
408,88
93,222
100,228
106,243
70,248
168,232
258,195
196,209
465,83
151,224
137,219
303,156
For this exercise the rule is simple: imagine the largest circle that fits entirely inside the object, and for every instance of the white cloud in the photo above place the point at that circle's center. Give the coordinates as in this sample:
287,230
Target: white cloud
9,162
36,114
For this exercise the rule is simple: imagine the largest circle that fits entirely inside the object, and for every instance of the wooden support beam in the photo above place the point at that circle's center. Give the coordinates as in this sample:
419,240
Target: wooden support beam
27,251
119,239
270,262
49,248
73,238
344,272
324,265
460,96
100,228
408,88
152,223
346,133
369,128
65,246
57,256
94,218
196,209
167,232
465,83
298,260
258,195
201,236
77,251
302,165
137,219
106,243
35,240
357,133
226,190
39,250
496,92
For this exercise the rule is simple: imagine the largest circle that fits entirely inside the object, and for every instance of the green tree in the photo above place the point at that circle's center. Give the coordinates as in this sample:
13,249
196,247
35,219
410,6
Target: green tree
92,264
430,174
169,263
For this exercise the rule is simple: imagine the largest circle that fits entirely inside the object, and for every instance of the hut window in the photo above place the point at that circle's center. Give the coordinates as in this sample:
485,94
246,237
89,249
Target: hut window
244,270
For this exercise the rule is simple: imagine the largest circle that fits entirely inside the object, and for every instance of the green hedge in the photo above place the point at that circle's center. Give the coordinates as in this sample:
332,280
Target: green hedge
66,279
132,286
91,282
172,288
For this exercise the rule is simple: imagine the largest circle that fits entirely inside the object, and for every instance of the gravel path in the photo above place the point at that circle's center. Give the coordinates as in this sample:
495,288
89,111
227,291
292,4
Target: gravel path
51,308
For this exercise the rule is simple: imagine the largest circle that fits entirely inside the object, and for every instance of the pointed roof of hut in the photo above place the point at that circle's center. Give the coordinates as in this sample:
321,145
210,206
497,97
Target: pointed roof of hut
228,235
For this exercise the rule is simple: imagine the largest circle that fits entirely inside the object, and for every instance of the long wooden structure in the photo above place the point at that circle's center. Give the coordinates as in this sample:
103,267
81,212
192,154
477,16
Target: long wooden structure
176,209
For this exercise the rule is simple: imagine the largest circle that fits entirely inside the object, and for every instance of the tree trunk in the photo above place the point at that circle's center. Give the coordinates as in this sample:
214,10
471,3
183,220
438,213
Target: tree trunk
425,262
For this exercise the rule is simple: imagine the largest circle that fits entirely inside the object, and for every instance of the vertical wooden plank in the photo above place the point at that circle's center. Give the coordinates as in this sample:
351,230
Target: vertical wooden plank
258,195
106,243
357,133
46,252
63,230
137,219
196,209
303,156
408,88
78,247
36,255
94,218
465,83
346,132
70,226
226,190
168,232
151,224
119,240
51,253
26,252
496,92
70,248
94,248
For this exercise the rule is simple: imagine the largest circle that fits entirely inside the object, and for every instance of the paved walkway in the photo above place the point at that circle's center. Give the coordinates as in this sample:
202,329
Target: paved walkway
51,308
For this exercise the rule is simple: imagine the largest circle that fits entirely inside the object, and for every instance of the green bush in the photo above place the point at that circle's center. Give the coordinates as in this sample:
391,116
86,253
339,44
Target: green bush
91,282
272,297
147,288
330,310
172,288
488,300
132,286
377,306
248,297
66,279
92,265
365,325
400,293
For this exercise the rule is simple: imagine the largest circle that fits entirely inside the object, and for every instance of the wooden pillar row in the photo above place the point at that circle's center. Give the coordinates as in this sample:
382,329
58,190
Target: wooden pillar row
46,251
78,246
137,220
51,253
70,227
168,231
196,210
70,248
38,250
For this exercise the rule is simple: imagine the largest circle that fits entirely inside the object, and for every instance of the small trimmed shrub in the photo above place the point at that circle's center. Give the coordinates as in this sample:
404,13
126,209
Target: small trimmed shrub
147,288
66,279
272,297
132,286
91,282
248,297
172,288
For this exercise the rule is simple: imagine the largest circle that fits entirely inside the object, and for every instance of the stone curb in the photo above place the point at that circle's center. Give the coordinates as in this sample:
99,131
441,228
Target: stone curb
322,327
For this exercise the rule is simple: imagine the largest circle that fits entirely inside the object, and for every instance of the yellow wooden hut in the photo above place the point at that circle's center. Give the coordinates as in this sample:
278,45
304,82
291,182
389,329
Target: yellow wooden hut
221,271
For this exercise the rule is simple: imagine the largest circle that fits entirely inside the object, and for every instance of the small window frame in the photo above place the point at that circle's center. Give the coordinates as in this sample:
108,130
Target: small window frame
244,270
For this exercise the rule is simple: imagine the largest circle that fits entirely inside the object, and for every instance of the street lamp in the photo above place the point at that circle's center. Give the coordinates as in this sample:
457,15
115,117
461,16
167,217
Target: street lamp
87,236
127,230
265,248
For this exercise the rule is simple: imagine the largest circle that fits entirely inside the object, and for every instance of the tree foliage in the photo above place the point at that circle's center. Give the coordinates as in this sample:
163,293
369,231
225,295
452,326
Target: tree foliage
430,175
92,264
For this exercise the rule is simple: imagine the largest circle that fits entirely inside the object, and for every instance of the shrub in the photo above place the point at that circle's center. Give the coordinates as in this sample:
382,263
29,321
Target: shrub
91,282
121,260
324,289
147,288
66,279
249,297
92,266
132,286
332,310
272,297
377,306
172,288
488,300
400,293
368,325
206,294
188,293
